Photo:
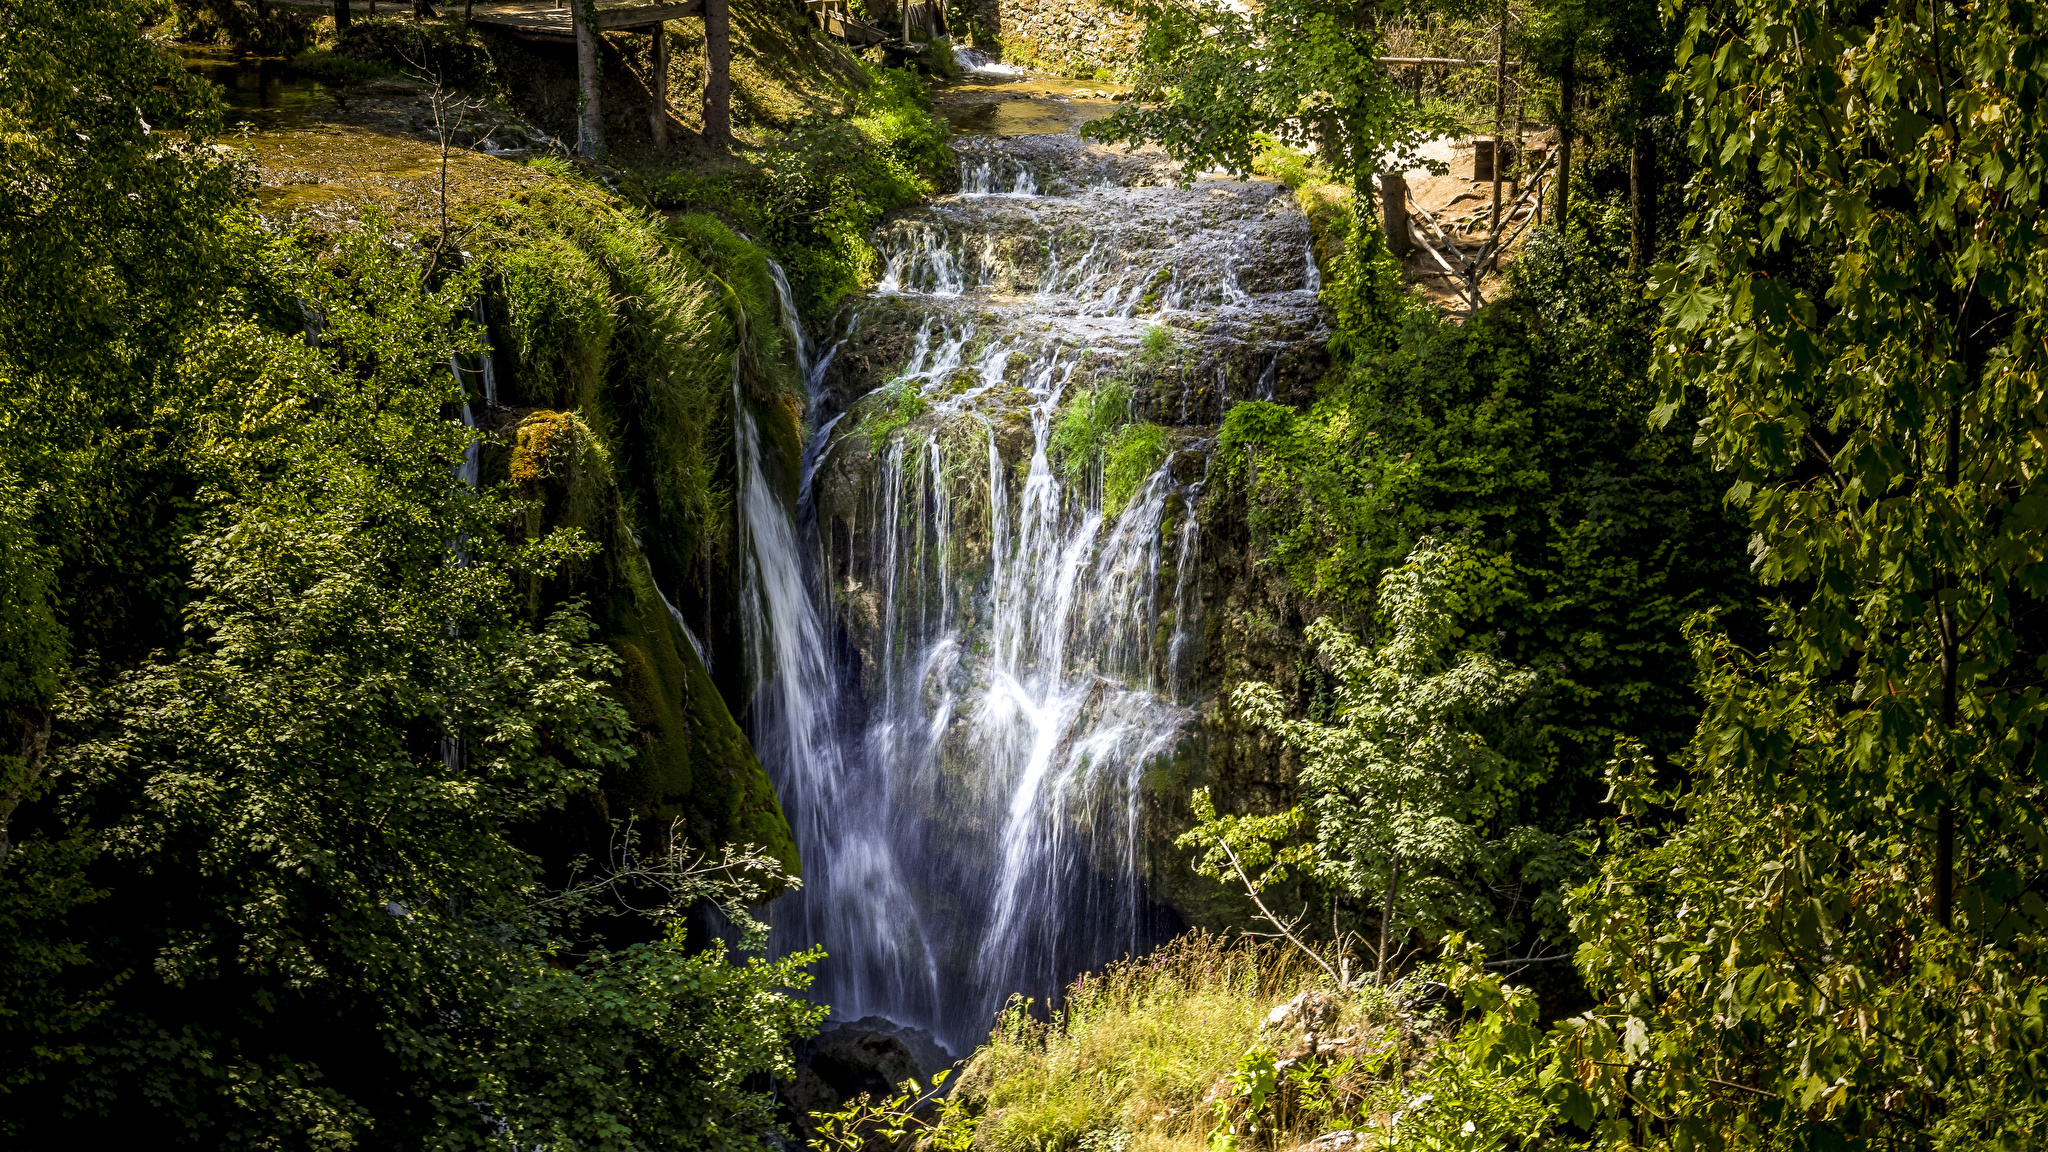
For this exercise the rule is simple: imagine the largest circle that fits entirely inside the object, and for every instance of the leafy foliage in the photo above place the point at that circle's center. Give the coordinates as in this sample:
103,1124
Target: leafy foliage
1218,78
1129,457
1522,436
276,884
1403,788
1859,305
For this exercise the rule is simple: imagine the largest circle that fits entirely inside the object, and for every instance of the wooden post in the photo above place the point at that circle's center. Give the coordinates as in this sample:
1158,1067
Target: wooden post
1500,124
589,124
658,117
1394,207
1567,121
717,72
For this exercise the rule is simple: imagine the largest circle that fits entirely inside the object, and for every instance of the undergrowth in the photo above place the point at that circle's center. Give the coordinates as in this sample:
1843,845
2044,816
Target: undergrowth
1129,457
1167,1051
814,193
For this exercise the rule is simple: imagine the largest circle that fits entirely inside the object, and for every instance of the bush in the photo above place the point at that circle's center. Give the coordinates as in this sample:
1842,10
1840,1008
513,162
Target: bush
336,70
898,403
1086,422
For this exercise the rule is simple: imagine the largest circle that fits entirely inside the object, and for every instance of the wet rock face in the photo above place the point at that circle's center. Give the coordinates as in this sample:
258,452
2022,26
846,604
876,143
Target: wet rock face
1030,657
843,1064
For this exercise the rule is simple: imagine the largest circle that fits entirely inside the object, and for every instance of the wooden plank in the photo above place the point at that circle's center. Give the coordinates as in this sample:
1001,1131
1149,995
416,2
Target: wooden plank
642,15
549,19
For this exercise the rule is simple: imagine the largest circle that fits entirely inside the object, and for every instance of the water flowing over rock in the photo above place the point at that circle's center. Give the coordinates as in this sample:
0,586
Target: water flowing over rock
974,677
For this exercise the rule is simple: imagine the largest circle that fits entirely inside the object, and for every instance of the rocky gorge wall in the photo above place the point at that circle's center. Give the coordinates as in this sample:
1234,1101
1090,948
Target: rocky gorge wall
1078,38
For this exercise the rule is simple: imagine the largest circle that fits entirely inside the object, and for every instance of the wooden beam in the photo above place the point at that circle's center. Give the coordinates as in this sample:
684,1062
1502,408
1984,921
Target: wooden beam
1451,61
546,20
625,18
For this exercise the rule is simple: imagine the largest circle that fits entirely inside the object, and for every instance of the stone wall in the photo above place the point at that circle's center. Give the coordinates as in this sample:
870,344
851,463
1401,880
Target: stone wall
1077,38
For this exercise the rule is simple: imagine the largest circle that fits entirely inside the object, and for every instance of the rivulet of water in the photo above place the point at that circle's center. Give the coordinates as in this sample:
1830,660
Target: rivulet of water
968,664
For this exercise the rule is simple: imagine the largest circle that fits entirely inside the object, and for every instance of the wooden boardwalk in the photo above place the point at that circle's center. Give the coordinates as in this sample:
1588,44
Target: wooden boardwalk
549,19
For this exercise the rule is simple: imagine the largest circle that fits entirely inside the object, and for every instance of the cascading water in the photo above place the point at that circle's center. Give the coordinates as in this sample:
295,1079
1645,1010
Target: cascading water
968,664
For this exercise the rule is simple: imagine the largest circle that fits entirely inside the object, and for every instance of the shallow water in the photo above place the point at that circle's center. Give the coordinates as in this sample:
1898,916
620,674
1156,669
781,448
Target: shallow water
994,99
266,93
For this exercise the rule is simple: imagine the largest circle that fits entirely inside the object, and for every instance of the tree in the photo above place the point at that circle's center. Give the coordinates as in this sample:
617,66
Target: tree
1217,76
1402,786
116,226
1831,930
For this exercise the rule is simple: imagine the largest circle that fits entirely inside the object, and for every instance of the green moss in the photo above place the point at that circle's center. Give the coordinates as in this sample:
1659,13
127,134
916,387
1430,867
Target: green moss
631,326
558,307
692,762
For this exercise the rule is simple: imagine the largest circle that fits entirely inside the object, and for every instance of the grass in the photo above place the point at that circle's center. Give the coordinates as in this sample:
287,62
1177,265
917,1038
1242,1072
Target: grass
898,403
1130,1060
1129,458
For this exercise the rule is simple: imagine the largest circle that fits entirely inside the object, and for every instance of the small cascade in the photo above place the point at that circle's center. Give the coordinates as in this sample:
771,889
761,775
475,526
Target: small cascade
970,664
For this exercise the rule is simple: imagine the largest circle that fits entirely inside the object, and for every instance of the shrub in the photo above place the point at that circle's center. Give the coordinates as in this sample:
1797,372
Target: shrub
898,403
426,50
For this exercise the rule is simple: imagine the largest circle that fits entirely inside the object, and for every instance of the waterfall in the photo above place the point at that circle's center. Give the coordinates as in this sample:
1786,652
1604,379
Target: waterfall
966,665
854,900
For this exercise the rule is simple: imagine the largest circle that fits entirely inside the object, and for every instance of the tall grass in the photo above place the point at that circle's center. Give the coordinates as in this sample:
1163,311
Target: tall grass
1124,1064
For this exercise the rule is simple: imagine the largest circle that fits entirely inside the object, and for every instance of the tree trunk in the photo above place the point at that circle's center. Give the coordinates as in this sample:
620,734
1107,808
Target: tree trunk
1642,196
717,72
1387,918
1951,657
1394,210
340,14
1568,93
589,124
